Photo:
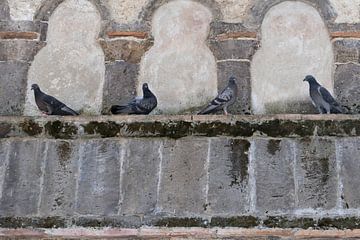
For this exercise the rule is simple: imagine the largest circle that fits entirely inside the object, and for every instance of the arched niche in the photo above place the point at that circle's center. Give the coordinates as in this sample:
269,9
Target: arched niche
49,6
147,14
180,68
260,8
294,43
71,66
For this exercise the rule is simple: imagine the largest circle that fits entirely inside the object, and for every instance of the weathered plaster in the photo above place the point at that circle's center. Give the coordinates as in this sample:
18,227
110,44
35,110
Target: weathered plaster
348,10
180,68
234,11
292,47
126,11
71,66
24,9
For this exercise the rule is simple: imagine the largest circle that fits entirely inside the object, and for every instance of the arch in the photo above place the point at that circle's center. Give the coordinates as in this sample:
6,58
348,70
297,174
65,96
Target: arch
180,68
48,7
292,46
71,66
260,8
148,11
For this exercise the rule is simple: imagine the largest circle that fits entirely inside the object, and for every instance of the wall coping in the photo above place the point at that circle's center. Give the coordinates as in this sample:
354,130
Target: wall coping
274,126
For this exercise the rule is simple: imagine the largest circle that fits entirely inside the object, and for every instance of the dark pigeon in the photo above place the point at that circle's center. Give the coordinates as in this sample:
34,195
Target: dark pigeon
225,99
50,105
139,106
321,98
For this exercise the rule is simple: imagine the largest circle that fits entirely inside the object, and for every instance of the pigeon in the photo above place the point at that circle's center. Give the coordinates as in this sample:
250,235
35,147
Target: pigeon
225,99
139,105
50,105
321,98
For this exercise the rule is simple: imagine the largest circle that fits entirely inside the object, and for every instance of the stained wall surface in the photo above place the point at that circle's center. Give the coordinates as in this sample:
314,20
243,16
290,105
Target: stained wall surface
180,68
93,54
292,46
71,66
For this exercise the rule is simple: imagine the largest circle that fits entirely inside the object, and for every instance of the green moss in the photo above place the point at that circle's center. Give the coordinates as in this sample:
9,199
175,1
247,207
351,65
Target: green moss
339,223
169,129
31,128
240,221
23,222
180,222
105,129
283,222
64,151
60,130
273,146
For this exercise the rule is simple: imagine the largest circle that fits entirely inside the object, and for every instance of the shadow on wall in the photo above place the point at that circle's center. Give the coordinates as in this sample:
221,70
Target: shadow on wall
293,46
71,66
180,68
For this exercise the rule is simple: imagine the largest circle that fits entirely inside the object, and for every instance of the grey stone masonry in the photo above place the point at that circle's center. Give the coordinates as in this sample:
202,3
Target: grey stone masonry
180,171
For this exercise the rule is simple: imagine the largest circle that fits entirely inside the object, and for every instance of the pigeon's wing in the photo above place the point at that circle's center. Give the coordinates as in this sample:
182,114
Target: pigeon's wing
224,97
130,108
335,107
55,107
146,105
65,111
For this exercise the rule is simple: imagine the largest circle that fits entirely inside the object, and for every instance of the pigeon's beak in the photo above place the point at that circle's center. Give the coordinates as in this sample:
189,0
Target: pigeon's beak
32,88
304,80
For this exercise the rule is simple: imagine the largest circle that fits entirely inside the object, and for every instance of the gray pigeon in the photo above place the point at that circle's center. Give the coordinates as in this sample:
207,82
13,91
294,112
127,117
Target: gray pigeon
225,99
321,98
140,105
50,105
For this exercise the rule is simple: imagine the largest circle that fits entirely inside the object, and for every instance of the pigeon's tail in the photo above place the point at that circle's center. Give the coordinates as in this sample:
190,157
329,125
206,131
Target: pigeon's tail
336,110
120,109
209,109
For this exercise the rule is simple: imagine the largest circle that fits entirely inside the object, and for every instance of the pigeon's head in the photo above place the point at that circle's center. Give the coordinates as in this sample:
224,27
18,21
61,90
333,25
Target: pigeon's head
309,79
232,80
145,86
35,87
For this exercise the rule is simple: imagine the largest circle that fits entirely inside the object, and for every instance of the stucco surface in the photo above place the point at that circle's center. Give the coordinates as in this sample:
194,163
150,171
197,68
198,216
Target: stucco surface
348,10
292,46
24,9
71,66
180,68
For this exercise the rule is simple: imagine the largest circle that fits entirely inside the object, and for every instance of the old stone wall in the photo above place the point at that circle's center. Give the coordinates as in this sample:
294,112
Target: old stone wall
291,171
92,54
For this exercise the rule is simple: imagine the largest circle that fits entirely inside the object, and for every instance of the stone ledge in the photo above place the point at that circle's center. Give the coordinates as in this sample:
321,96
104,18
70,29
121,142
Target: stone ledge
176,233
175,127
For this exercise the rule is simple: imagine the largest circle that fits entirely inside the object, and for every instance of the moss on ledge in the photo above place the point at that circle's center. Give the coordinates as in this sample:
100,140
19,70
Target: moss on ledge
175,127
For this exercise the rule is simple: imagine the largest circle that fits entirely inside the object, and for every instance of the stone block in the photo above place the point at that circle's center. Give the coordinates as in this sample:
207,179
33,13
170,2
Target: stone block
316,174
120,81
19,50
274,174
128,51
12,87
347,50
61,165
349,159
241,70
22,180
98,180
347,86
234,49
228,177
184,177
140,177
